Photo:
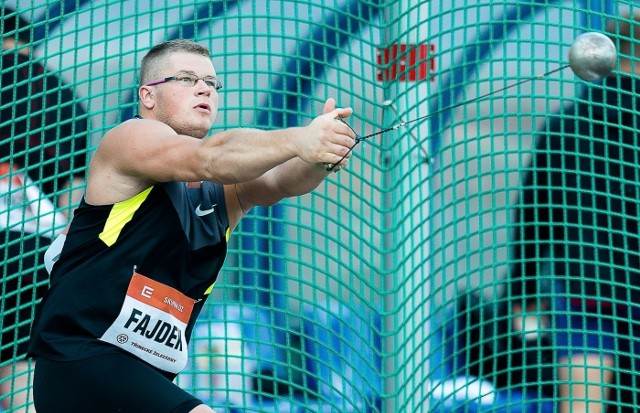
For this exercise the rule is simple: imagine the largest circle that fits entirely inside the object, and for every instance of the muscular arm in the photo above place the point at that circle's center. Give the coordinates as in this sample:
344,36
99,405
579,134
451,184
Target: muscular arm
292,178
138,153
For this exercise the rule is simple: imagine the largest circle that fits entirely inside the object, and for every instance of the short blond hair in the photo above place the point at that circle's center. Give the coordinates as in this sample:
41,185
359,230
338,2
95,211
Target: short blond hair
154,60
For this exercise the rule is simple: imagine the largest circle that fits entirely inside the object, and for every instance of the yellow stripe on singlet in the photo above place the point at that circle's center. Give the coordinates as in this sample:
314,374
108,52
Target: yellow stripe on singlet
120,215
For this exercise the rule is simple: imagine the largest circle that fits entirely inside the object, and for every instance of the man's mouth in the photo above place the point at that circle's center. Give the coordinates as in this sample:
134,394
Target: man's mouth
203,106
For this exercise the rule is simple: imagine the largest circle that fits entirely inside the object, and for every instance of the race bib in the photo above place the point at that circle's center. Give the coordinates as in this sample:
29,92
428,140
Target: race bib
152,324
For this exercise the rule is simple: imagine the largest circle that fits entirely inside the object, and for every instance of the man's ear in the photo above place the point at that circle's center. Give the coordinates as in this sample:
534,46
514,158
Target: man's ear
146,97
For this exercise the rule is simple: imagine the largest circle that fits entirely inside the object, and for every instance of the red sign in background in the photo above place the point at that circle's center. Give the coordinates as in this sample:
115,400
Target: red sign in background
412,62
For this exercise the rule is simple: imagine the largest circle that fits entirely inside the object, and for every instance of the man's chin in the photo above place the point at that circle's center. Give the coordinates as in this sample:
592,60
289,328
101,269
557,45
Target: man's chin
200,130
194,132
200,133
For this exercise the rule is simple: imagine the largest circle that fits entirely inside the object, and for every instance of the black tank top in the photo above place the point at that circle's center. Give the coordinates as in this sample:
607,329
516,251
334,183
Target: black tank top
134,276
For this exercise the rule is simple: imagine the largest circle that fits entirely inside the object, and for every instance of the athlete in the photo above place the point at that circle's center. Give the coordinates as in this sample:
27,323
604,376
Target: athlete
144,248
577,222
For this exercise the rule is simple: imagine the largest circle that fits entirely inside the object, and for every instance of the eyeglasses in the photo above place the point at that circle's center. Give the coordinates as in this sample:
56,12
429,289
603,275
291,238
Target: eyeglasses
189,80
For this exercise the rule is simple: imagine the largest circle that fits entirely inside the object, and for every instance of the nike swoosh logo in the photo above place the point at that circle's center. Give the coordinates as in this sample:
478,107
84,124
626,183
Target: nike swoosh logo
202,212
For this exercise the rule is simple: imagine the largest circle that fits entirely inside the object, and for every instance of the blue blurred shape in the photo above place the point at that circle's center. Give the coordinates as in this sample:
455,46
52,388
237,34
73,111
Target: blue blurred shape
342,356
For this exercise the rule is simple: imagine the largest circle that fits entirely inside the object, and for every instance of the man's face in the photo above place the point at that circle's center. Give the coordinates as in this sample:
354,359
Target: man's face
188,109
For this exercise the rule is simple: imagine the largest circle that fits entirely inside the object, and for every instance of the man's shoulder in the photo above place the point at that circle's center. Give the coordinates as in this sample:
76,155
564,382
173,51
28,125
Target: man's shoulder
134,125
138,123
140,133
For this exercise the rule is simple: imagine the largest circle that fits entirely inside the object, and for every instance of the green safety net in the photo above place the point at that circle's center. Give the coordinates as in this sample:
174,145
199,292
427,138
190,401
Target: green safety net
388,288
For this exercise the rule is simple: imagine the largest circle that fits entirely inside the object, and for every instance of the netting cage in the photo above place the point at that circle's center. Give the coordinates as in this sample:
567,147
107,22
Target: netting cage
399,284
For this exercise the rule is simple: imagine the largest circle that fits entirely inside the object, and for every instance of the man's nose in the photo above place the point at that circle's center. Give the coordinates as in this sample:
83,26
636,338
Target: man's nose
202,87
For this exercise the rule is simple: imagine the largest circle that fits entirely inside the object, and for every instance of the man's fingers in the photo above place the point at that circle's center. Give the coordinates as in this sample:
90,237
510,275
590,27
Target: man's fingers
336,137
345,129
340,112
329,106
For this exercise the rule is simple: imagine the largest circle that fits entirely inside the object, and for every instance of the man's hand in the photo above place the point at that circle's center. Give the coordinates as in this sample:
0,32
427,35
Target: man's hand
325,140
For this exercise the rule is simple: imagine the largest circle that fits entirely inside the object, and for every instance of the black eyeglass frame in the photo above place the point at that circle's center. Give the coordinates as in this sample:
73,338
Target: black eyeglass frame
212,82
